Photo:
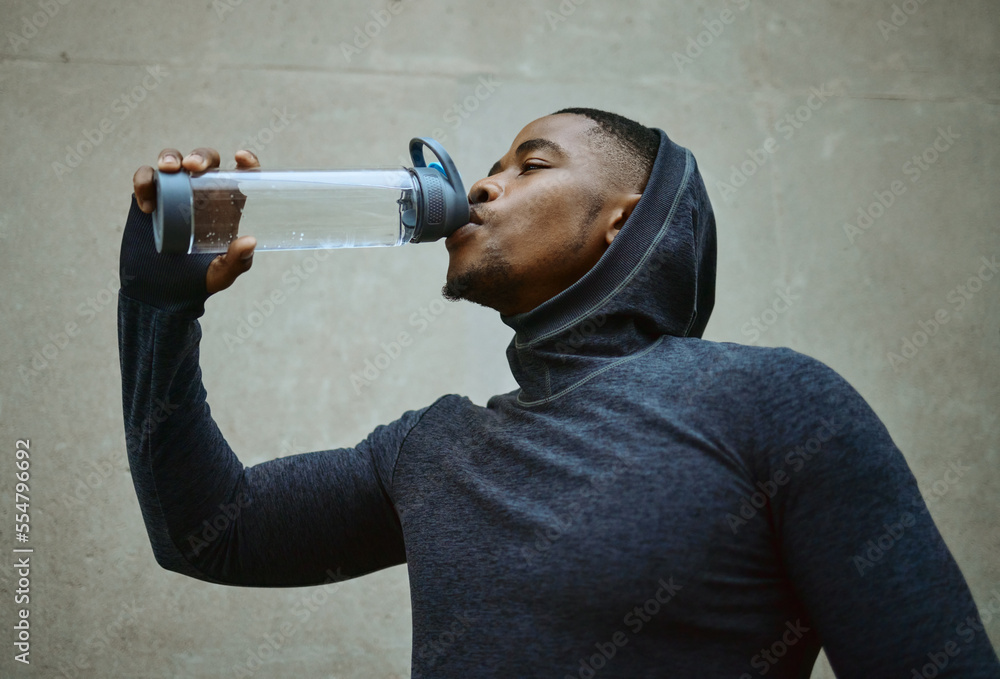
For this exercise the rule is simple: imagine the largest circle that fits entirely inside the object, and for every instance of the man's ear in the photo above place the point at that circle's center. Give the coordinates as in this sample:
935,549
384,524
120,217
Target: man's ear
621,215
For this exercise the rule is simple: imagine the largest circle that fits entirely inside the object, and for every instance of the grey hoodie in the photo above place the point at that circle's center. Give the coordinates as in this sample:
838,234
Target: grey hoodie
646,504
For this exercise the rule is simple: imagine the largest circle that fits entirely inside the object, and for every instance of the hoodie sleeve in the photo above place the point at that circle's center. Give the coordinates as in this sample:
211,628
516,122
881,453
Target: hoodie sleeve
859,545
299,520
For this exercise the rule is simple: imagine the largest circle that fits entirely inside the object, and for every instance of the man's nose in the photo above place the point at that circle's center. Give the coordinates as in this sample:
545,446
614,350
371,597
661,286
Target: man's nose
484,190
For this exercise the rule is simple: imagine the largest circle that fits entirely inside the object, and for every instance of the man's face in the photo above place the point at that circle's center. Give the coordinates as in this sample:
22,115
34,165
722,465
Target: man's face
540,220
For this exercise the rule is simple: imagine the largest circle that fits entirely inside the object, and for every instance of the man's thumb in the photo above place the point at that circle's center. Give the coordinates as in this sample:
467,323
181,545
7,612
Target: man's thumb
225,269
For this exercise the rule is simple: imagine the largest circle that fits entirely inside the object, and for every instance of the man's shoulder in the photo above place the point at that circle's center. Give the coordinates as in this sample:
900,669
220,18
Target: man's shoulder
773,362
783,364
760,372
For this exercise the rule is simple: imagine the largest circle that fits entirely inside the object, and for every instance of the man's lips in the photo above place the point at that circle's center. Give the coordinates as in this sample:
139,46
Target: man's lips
459,234
463,231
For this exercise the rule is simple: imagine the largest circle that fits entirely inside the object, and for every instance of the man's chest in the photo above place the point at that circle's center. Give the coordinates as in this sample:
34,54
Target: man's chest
592,519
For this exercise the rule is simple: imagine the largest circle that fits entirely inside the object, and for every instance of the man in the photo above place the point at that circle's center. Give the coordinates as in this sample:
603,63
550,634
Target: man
646,504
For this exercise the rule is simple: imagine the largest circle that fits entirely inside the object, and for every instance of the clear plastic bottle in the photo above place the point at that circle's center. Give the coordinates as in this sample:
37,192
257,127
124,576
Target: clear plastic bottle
310,209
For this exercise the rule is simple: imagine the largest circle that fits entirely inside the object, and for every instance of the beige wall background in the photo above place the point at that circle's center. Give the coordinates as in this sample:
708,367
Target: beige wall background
848,92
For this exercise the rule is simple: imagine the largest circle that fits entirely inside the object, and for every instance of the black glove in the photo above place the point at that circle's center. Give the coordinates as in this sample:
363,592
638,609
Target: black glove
174,283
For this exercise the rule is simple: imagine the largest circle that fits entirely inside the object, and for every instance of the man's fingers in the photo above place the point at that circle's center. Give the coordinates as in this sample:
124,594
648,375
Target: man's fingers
201,159
169,160
246,160
225,269
242,250
145,190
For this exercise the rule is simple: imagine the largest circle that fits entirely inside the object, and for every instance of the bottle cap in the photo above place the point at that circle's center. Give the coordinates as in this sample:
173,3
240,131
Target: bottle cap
443,205
173,217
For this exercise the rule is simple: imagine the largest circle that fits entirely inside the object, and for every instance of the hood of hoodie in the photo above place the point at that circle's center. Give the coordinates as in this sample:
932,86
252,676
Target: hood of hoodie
656,278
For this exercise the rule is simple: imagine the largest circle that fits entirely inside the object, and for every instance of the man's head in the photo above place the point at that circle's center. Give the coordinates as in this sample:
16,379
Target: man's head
549,208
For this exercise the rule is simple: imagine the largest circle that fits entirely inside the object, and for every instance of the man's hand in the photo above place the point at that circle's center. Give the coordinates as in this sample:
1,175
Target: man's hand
224,269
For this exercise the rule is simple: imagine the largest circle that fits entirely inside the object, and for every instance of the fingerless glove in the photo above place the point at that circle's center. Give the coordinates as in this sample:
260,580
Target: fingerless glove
174,283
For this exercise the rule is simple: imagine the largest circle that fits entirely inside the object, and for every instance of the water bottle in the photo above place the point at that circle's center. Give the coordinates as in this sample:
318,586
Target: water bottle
311,209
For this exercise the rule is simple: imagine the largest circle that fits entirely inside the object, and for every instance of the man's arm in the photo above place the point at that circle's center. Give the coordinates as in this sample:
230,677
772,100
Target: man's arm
859,545
300,520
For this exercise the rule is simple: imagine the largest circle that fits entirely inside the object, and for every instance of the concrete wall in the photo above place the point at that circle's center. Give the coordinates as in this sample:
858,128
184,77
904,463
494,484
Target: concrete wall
890,81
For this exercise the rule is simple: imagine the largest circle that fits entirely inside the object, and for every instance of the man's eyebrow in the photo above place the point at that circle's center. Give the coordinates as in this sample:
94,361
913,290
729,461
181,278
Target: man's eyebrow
533,145
540,143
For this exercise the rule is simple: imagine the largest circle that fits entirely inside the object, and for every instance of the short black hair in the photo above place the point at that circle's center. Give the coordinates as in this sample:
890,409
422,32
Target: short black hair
630,146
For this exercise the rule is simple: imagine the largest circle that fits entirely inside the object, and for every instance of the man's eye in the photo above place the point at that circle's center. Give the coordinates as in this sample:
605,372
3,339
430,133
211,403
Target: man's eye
532,166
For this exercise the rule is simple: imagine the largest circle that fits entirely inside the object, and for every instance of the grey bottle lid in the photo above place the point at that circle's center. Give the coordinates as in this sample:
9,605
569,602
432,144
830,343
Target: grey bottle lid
173,217
443,203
